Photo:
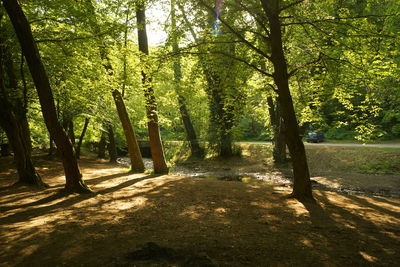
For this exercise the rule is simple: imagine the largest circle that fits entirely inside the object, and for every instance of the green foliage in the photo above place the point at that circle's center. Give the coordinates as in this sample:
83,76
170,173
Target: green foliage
346,83
339,134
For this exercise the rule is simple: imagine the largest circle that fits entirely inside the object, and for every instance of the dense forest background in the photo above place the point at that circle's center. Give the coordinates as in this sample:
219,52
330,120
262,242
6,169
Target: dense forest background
346,52
228,71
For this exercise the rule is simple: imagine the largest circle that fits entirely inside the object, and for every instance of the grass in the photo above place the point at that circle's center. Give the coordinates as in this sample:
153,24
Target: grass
355,159
348,159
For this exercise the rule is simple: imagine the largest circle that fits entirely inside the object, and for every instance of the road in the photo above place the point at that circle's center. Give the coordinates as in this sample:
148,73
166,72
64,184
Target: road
331,144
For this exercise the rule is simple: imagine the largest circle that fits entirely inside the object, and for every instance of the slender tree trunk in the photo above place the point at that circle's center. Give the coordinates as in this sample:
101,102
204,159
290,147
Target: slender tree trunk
191,136
101,152
220,124
302,183
52,148
22,156
80,141
14,122
137,164
156,146
185,117
15,134
20,103
112,149
74,182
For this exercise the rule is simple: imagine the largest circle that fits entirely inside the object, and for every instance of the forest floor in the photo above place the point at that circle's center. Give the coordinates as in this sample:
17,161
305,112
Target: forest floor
225,216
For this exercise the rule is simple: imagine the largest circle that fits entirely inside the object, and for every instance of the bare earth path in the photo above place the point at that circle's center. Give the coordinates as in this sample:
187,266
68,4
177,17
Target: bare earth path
231,223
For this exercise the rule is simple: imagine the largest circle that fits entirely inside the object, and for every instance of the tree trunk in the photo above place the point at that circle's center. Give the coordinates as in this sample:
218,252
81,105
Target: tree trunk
22,156
302,183
52,149
279,143
101,152
191,136
71,132
112,149
137,164
185,117
14,121
74,182
20,103
156,146
79,145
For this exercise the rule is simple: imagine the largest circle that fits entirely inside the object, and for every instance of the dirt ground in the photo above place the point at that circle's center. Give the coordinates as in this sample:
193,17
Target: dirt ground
194,221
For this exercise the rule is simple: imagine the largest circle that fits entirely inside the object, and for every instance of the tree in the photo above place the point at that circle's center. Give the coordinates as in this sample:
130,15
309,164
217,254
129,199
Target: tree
157,150
74,182
13,119
196,150
223,78
137,164
275,54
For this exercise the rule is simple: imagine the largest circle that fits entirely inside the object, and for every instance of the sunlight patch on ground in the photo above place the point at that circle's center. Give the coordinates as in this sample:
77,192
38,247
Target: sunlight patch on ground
332,183
193,212
29,250
368,257
306,242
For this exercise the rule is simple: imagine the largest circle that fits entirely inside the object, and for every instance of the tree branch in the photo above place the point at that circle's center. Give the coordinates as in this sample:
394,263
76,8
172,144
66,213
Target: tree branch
291,73
249,44
290,5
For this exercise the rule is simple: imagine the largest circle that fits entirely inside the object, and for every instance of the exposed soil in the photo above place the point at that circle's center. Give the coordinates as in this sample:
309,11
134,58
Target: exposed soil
183,220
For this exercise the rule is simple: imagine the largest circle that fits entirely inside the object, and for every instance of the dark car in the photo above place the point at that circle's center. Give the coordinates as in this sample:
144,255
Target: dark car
315,137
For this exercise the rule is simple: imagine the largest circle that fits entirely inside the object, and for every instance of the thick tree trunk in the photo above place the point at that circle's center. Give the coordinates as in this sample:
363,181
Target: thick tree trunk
74,182
156,146
137,164
302,183
80,141
221,116
279,143
112,149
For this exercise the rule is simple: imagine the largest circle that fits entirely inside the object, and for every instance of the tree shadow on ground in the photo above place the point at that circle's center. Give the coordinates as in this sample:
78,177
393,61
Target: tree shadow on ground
233,223
39,208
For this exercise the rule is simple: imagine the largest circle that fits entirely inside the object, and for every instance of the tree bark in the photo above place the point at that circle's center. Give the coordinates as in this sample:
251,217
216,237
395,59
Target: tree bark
156,146
112,149
80,141
74,182
101,149
302,183
137,164
279,143
52,149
